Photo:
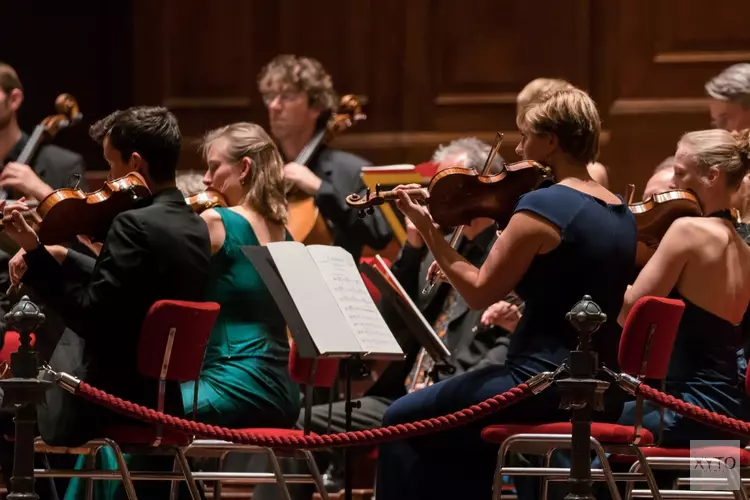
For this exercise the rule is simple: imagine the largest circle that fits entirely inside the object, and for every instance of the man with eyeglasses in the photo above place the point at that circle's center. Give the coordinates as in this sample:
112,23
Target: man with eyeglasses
300,98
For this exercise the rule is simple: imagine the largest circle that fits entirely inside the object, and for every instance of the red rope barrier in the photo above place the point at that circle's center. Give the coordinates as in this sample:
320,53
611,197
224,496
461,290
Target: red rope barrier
251,437
694,412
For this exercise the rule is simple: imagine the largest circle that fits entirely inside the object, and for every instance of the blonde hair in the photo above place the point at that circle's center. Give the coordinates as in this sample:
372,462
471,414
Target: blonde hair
727,151
571,115
266,194
538,87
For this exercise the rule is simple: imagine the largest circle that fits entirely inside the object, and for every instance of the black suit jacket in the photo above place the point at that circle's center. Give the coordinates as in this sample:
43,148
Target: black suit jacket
341,173
58,167
158,250
469,349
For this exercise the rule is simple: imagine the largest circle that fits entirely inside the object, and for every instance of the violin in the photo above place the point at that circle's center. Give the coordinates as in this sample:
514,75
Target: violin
210,198
305,223
456,196
655,214
68,212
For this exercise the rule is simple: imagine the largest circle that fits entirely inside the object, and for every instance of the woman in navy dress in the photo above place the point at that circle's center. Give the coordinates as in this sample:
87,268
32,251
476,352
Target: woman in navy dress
565,241
706,263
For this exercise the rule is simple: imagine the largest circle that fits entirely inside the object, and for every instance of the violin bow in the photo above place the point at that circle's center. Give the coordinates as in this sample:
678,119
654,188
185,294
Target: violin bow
459,230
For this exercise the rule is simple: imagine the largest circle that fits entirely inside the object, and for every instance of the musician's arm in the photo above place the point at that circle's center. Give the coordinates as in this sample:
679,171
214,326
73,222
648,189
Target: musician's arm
88,305
508,260
662,272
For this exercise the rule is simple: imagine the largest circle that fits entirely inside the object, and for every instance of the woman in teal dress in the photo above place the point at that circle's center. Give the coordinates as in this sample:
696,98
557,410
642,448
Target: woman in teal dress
245,379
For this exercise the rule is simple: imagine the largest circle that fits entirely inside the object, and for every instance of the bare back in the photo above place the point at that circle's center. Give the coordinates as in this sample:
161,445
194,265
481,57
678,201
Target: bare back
716,276
265,231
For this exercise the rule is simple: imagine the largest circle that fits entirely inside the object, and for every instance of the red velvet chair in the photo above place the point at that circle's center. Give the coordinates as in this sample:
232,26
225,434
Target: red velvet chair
172,343
645,348
310,372
11,343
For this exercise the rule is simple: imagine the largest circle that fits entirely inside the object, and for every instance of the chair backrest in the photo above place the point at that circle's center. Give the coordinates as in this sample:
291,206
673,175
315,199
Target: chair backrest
320,372
648,337
173,339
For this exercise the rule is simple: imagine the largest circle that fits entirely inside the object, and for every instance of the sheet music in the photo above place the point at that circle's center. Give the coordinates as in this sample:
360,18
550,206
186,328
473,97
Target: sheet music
341,273
328,327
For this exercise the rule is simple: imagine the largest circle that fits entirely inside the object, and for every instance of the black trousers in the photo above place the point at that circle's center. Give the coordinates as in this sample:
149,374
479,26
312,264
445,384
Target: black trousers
368,416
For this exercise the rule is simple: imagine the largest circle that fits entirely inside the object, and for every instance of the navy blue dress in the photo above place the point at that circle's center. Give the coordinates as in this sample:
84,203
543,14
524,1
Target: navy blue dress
707,370
596,257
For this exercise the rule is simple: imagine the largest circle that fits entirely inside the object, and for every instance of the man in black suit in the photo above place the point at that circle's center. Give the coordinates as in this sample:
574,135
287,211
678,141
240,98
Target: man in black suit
300,98
158,249
51,168
475,338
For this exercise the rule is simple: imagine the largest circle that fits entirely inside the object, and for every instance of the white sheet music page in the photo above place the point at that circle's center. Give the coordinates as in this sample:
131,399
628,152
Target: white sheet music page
345,282
320,311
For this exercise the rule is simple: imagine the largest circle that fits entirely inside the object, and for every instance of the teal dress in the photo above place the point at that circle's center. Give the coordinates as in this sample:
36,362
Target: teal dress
245,379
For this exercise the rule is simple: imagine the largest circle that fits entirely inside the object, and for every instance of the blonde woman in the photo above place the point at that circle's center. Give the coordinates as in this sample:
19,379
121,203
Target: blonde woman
565,241
245,381
704,262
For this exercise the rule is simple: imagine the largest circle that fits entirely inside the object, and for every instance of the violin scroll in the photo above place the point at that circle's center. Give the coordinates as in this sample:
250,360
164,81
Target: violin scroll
365,204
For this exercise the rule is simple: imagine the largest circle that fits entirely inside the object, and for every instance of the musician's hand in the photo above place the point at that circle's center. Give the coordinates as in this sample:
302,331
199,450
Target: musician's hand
418,214
17,267
502,314
434,273
420,385
94,246
302,177
18,229
23,179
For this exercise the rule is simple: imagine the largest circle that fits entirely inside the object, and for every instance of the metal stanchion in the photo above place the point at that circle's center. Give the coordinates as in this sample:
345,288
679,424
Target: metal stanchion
582,393
22,392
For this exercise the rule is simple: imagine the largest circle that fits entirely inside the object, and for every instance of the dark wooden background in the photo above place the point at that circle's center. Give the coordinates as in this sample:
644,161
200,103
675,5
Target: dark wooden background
432,70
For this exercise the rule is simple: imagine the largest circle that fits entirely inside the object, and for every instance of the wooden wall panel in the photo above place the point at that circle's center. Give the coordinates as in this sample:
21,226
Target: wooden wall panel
654,60
431,70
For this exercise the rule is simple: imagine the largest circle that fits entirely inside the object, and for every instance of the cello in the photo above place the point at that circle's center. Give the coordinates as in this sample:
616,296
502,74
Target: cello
305,222
68,114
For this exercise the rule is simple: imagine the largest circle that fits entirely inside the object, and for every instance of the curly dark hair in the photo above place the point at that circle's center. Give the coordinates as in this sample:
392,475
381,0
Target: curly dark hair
304,74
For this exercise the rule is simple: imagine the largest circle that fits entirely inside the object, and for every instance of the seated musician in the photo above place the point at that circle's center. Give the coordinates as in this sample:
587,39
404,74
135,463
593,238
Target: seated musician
469,335
300,98
245,379
551,253
730,98
158,249
540,86
707,264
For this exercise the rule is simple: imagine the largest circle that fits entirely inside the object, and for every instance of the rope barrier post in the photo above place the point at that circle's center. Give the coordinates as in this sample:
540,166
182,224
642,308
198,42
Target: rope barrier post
582,393
22,391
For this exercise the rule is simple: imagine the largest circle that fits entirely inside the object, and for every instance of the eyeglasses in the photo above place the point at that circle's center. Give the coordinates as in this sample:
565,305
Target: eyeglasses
286,96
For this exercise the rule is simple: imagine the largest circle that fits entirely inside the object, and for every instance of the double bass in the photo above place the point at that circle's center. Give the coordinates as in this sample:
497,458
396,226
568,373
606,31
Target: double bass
305,222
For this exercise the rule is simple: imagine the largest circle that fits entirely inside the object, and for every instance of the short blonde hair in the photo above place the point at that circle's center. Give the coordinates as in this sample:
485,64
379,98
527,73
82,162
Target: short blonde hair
266,194
538,87
571,115
727,151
